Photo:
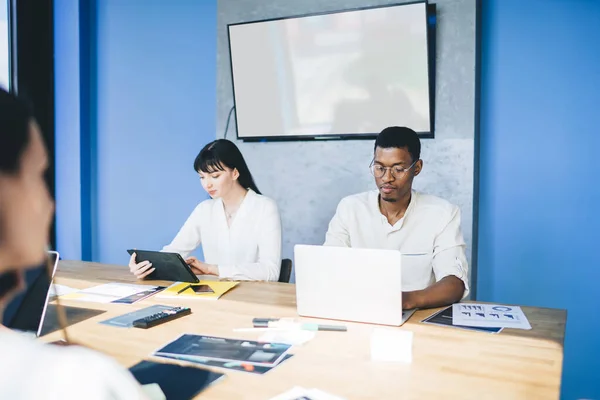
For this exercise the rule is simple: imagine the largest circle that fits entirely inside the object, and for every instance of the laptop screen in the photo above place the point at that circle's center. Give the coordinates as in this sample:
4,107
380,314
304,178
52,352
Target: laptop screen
25,312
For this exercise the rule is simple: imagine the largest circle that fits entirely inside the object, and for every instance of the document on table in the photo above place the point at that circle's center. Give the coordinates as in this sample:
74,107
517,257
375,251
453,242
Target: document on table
202,347
61,290
115,292
300,393
489,316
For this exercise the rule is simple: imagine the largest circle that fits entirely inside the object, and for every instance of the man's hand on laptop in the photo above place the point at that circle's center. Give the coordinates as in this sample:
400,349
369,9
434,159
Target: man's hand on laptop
201,268
408,300
447,291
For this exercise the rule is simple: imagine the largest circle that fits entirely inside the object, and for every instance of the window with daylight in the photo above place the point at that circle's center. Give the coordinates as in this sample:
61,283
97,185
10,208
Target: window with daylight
4,46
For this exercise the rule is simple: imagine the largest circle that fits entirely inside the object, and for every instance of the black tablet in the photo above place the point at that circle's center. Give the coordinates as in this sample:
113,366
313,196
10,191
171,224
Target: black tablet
175,381
168,266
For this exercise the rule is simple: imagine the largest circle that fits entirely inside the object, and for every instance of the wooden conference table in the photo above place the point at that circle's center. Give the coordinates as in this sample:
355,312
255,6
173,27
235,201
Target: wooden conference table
447,362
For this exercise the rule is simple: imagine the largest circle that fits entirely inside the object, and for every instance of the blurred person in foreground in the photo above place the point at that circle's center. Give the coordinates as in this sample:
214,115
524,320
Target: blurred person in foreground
31,369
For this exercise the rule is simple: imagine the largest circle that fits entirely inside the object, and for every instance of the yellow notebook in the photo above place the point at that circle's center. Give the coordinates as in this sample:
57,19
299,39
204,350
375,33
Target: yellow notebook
218,288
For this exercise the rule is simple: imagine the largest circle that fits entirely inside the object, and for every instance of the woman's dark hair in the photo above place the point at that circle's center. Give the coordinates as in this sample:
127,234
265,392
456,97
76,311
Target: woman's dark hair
15,117
223,153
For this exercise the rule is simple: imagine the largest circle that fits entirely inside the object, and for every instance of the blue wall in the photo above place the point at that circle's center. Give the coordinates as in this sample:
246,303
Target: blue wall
539,173
153,100
67,128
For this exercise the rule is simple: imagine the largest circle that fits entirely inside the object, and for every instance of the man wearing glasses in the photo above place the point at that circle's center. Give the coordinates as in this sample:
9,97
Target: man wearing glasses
425,228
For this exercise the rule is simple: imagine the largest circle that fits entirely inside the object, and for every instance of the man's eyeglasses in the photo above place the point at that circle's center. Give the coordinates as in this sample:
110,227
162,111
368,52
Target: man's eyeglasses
397,171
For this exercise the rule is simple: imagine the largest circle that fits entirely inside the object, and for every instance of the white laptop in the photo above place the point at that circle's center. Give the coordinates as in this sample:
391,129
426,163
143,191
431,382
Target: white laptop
29,308
362,285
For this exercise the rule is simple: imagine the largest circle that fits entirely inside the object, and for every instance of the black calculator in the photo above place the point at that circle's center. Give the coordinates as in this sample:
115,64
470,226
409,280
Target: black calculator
161,317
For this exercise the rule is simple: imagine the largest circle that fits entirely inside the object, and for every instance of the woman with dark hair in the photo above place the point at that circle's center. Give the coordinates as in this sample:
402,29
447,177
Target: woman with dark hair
29,369
239,229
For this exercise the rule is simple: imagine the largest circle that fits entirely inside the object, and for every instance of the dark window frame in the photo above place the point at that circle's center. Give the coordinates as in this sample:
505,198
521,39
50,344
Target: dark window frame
31,47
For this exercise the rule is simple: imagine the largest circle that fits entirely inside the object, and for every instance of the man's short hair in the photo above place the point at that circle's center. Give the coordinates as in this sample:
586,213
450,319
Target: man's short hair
399,137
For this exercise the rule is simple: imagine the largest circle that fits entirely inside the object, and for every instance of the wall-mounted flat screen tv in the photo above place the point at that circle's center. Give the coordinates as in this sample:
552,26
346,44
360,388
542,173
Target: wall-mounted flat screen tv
336,75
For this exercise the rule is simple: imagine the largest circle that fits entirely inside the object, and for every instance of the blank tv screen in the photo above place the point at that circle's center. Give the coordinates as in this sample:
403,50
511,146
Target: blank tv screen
332,75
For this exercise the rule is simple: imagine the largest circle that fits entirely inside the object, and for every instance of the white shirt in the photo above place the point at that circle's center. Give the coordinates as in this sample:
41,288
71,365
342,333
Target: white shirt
32,370
428,236
248,250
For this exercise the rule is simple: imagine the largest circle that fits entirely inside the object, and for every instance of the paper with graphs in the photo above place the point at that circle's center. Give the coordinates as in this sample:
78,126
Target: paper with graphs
489,316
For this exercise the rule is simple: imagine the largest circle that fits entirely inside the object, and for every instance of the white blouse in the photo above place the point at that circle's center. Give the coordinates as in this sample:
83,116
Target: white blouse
249,249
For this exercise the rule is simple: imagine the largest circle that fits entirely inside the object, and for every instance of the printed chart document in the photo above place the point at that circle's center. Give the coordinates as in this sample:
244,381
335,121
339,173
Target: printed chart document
444,318
125,293
489,316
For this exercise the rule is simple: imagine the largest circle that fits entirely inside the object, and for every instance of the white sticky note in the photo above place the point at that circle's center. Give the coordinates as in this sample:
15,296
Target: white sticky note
391,345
